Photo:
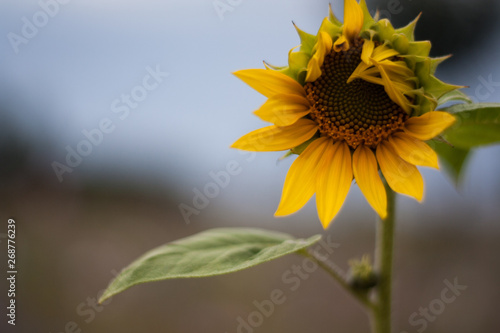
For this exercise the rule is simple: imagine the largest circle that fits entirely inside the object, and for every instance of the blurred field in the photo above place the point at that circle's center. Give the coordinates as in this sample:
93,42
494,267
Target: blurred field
71,242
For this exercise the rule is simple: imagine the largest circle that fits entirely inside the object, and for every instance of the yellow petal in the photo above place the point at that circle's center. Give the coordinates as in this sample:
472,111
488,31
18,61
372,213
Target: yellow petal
397,71
359,71
366,54
313,70
365,169
333,181
394,93
413,150
397,68
401,176
370,75
323,47
353,19
341,44
269,82
275,138
428,125
325,44
284,110
300,182
383,52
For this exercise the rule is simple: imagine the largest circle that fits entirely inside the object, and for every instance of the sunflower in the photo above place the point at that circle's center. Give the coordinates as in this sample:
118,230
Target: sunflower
357,98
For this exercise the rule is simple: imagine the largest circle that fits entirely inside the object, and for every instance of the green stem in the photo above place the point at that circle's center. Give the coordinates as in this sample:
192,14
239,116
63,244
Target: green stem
381,307
384,258
337,276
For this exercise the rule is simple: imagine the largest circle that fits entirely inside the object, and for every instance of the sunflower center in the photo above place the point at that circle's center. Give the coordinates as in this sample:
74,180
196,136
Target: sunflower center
358,112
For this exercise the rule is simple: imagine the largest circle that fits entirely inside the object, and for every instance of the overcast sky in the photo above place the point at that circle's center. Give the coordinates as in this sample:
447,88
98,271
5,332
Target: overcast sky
72,69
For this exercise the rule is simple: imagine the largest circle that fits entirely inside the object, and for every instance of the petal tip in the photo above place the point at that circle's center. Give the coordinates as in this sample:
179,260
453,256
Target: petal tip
325,224
382,215
281,212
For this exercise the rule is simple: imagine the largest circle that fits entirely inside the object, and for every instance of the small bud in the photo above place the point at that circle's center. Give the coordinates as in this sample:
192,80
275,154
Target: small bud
361,274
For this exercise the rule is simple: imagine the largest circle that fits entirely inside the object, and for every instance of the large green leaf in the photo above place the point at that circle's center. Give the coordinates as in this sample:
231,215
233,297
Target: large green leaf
477,125
213,252
453,159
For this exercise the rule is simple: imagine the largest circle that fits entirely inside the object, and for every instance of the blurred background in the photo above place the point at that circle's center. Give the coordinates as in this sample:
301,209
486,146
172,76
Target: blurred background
113,114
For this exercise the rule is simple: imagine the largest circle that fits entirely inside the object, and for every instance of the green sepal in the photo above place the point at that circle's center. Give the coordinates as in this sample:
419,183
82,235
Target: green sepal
425,103
209,253
297,63
332,17
300,148
432,85
368,20
384,29
330,28
409,30
420,48
401,43
435,62
301,77
273,67
287,154
307,41
455,95
368,34
412,60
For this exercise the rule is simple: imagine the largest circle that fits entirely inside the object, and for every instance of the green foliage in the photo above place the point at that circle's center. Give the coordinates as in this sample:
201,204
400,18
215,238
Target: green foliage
213,252
453,159
477,125
454,95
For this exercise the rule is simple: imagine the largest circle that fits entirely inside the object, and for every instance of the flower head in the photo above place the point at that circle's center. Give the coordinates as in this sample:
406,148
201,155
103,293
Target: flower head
357,98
